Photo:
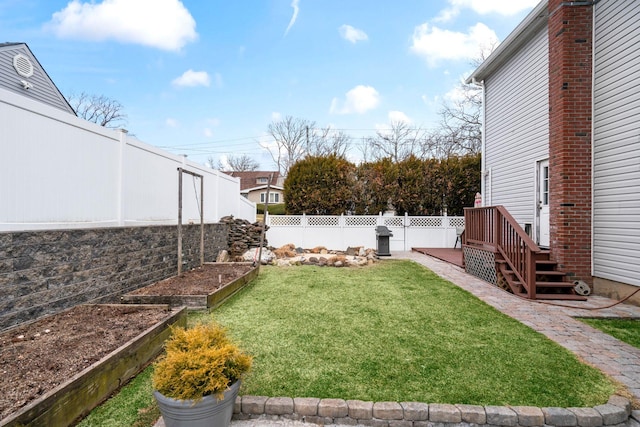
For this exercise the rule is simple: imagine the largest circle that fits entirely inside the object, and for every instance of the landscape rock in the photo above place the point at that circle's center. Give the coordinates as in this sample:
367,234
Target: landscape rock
223,256
252,254
291,254
243,235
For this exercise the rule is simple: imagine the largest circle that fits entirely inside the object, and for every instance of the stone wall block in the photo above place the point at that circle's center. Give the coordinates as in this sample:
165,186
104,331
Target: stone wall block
254,404
611,414
587,417
559,417
473,414
621,402
306,406
444,413
279,406
387,411
360,410
237,405
333,408
529,416
415,411
501,416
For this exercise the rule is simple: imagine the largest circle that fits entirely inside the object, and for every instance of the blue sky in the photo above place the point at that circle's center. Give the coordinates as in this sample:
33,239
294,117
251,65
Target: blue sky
205,78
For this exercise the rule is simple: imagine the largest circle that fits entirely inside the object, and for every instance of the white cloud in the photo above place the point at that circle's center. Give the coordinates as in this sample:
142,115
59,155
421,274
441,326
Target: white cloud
484,7
276,116
192,78
435,44
162,24
296,9
359,100
214,121
399,116
351,34
172,123
208,133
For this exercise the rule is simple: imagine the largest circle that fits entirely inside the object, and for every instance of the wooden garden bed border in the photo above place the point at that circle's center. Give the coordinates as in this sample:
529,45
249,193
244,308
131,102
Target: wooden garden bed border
211,300
84,391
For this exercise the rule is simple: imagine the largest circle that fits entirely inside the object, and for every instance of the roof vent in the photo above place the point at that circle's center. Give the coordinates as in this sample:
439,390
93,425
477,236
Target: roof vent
23,65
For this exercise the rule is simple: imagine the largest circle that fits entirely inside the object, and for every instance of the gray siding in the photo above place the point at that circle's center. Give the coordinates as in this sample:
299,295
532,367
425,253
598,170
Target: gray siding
517,127
44,90
616,176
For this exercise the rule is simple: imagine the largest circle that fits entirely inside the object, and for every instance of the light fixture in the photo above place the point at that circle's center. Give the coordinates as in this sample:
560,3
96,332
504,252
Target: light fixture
26,85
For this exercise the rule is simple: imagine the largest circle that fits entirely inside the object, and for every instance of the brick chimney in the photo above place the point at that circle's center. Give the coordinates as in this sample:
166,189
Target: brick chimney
570,98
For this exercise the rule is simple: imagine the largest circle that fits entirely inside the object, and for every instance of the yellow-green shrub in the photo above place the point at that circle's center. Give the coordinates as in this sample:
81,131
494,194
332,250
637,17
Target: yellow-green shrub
198,362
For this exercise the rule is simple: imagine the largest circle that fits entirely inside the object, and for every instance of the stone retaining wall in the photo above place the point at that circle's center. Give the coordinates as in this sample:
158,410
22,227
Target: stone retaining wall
44,272
616,412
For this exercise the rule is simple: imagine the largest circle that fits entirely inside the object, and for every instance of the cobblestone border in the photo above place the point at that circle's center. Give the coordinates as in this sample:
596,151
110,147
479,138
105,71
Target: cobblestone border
616,412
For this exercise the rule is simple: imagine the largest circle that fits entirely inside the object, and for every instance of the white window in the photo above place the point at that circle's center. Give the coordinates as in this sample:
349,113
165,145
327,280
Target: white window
273,197
262,180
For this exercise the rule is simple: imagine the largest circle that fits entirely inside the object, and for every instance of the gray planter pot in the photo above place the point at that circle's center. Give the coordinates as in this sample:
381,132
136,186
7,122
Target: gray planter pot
208,412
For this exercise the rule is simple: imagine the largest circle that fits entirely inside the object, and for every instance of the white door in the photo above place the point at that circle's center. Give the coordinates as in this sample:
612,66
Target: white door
543,204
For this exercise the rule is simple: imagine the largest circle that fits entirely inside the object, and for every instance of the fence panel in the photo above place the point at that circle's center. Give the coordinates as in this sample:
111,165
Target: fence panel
340,232
46,182
59,171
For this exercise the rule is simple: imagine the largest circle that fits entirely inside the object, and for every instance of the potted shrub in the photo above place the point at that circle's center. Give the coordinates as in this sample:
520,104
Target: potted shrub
196,382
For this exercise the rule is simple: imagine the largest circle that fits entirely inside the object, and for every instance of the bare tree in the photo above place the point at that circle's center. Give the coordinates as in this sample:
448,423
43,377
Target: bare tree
397,143
241,163
328,142
98,109
290,136
461,122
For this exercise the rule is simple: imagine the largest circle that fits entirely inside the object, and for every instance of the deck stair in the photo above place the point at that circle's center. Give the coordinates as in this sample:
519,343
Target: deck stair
550,283
521,265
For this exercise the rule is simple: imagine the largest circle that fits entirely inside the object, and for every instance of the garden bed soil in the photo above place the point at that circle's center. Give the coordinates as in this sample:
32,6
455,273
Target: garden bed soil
38,357
199,281
202,287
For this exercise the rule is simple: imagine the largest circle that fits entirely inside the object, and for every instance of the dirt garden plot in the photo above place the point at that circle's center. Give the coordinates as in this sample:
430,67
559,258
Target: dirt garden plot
60,367
202,287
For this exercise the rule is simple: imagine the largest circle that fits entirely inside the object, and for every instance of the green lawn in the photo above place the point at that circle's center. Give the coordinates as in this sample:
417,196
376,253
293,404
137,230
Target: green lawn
627,330
394,331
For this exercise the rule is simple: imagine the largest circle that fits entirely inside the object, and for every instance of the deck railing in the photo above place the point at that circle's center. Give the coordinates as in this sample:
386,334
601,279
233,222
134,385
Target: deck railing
493,228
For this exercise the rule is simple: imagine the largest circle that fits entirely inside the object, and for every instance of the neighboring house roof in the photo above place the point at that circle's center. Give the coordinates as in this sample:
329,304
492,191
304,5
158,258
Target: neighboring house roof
252,179
535,20
262,187
20,72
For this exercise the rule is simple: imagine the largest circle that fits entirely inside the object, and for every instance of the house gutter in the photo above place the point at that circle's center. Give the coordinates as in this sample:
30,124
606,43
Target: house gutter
536,19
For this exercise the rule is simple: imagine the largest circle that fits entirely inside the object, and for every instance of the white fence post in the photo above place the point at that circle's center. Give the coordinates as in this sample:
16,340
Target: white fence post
120,197
405,229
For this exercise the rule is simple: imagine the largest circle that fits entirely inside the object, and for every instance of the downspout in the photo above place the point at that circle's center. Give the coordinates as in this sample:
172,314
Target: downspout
593,133
483,157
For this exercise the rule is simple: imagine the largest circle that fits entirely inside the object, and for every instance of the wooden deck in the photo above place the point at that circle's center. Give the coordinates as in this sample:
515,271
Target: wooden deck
452,256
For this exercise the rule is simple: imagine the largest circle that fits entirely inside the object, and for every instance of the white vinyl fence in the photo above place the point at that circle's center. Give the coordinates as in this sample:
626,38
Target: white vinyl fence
59,171
341,232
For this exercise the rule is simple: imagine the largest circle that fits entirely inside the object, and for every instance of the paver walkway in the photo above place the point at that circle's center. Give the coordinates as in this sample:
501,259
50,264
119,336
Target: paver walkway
613,357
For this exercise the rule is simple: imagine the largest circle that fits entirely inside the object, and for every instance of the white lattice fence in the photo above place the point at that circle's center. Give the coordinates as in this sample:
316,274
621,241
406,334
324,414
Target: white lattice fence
340,232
